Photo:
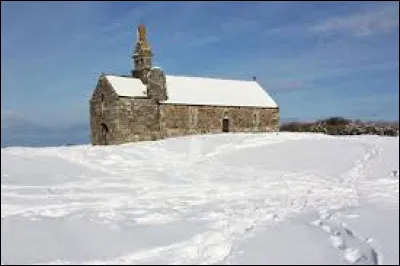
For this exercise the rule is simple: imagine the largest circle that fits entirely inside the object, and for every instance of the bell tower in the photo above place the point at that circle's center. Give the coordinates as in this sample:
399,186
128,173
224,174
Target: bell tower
142,55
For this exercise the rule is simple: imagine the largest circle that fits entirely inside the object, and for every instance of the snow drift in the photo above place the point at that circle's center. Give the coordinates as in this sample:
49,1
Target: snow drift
282,198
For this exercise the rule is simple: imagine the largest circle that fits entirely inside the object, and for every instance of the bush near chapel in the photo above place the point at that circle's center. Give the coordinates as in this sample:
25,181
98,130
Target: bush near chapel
342,126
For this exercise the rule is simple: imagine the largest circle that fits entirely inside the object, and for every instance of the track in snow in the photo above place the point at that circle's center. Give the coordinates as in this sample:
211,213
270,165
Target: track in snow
353,248
212,184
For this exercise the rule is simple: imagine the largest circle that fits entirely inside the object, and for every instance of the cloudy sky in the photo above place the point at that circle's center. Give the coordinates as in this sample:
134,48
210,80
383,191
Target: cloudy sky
317,59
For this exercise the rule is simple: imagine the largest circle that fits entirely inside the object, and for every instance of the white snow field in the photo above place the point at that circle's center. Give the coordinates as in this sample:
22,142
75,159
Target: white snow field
284,198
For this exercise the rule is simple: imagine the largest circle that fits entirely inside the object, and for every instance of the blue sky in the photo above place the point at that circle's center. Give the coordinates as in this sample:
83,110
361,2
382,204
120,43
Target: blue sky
317,59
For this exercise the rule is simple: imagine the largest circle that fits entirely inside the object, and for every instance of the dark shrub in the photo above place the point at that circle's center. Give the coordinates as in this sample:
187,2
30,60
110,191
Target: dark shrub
337,121
341,126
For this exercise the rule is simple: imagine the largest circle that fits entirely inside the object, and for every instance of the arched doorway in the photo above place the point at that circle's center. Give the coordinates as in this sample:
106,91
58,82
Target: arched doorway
225,125
104,134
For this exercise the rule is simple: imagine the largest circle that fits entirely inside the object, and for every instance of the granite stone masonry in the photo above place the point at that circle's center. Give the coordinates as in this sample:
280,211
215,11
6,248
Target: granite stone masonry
149,105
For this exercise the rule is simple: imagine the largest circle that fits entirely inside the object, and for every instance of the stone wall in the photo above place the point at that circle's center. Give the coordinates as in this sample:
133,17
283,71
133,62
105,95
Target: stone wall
157,85
103,112
127,119
138,120
179,120
135,119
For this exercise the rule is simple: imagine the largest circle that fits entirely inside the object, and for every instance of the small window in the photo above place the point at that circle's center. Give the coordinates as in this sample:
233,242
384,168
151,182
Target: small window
103,97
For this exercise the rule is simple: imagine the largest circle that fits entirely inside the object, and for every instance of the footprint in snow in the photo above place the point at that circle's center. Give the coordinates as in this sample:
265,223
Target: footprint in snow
354,249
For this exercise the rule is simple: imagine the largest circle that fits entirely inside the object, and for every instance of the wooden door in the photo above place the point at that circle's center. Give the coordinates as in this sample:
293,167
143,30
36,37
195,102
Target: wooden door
225,125
104,133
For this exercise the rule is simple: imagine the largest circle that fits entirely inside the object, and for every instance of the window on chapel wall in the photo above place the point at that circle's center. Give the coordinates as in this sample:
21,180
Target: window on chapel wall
103,101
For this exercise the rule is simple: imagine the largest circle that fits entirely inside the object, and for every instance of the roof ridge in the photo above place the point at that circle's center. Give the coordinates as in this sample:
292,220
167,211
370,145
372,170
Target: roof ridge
200,77
119,76
180,76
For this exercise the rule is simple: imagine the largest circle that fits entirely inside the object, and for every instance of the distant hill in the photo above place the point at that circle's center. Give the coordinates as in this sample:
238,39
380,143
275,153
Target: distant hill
26,133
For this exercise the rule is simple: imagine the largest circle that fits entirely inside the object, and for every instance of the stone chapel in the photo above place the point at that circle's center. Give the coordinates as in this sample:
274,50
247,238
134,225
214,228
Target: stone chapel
150,105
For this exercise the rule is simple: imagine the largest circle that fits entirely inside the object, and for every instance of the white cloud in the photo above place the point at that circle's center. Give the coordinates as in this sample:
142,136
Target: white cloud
381,20
10,114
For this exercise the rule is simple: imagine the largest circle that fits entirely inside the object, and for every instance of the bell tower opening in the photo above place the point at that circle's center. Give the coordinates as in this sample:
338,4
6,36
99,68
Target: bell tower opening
142,55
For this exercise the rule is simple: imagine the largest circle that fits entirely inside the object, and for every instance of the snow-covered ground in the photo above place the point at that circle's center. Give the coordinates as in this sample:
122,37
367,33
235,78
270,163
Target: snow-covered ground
286,198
